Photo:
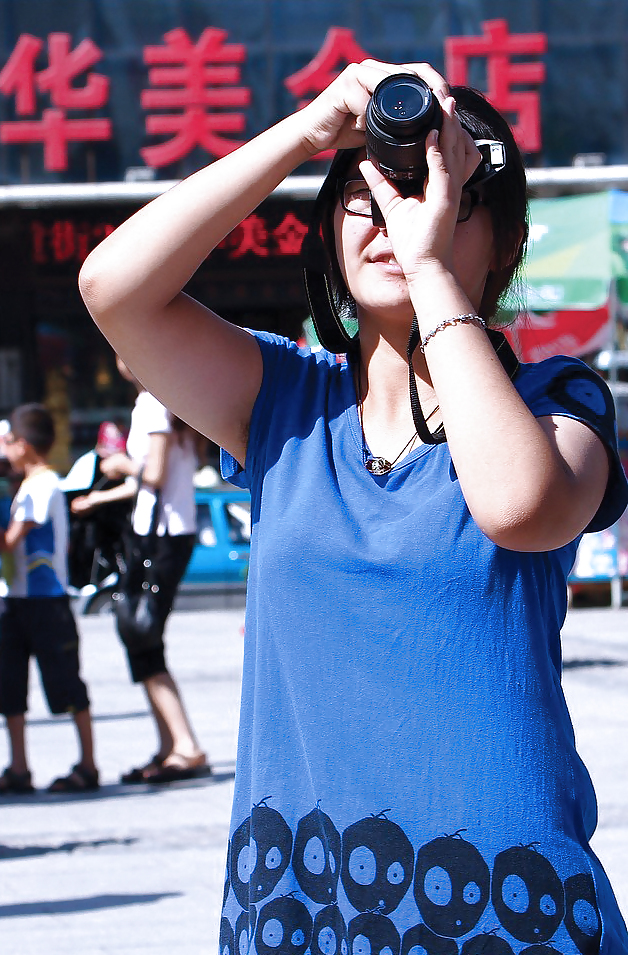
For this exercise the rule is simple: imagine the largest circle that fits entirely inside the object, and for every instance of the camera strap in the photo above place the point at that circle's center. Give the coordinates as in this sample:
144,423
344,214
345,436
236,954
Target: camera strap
317,266
330,331
504,352
426,436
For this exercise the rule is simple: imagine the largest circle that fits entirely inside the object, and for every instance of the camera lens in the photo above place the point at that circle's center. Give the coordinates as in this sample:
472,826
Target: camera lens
403,101
399,115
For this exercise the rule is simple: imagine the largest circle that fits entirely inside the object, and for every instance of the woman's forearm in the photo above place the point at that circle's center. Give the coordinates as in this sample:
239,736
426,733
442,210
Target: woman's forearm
529,485
121,492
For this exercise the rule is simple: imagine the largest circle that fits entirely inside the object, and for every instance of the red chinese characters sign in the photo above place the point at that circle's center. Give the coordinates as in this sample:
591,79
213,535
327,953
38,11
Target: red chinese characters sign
338,50
201,81
61,241
195,97
255,236
497,46
66,240
57,127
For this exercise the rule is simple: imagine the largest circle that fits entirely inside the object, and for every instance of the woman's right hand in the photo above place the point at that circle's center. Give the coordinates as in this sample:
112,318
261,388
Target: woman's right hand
336,118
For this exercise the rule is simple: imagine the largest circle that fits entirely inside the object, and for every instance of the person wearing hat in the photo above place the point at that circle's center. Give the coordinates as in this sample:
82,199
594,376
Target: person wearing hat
407,778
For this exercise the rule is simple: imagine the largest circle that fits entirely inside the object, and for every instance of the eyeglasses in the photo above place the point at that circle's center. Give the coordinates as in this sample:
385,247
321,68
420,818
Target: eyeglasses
355,198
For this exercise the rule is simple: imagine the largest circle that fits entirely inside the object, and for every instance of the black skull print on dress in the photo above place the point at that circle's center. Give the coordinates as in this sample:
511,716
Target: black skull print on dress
260,854
329,935
582,918
377,863
316,856
373,934
527,894
284,927
451,885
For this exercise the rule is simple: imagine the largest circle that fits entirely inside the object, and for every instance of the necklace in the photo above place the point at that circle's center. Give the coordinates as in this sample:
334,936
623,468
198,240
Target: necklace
378,465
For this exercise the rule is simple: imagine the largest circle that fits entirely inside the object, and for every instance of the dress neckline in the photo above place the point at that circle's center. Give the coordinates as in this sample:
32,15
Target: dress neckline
360,445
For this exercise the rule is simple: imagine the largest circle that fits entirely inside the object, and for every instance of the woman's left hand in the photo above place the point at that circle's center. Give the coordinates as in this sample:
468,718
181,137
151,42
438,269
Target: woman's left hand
421,228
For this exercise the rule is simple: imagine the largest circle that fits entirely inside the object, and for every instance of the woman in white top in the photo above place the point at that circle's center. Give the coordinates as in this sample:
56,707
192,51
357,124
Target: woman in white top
163,450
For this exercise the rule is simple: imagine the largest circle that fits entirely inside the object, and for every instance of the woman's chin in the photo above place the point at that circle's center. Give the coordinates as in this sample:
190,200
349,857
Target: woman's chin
389,290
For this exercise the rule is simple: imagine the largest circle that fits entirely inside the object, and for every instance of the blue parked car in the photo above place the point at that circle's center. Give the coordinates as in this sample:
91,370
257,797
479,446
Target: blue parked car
219,564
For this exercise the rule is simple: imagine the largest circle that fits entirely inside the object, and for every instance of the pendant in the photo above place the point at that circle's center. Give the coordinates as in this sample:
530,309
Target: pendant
377,466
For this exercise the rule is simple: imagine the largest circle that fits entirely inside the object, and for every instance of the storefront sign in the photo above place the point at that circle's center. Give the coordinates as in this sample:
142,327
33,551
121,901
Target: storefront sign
269,233
58,90
505,78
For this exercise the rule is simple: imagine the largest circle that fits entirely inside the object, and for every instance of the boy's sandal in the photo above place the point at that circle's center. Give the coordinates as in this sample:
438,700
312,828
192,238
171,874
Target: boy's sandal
16,784
80,780
176,767
140,773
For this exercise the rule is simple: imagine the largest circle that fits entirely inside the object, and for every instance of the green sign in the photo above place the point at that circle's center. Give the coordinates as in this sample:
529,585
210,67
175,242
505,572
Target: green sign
578,247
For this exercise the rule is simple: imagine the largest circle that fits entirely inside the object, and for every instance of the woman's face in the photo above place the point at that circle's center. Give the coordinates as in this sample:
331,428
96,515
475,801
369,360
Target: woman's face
372,274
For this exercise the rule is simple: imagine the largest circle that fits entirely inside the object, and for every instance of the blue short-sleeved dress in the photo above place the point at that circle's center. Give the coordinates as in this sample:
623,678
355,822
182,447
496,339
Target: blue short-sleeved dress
407,780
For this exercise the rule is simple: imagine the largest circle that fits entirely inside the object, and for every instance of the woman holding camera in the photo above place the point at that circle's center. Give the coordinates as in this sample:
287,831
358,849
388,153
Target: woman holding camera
407,776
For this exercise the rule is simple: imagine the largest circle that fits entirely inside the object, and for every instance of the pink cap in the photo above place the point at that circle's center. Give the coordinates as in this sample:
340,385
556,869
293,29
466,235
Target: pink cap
110,439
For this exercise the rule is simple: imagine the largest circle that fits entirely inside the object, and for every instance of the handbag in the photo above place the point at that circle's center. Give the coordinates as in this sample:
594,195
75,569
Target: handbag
136,603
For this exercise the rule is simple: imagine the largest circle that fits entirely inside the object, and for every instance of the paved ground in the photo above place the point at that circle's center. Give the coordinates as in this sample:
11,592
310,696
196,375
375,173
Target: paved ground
129,869
133,870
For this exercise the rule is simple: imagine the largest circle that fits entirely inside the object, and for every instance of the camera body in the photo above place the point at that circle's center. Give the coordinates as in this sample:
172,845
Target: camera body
399,116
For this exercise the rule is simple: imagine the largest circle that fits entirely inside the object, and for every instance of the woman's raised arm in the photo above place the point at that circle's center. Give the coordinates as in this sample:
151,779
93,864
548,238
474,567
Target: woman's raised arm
204,369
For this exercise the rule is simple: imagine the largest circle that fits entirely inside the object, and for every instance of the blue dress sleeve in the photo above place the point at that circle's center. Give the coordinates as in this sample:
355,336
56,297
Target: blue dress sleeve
287,369
566,386
231,469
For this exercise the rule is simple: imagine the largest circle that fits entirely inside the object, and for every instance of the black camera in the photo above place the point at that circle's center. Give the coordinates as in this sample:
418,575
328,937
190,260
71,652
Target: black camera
400,114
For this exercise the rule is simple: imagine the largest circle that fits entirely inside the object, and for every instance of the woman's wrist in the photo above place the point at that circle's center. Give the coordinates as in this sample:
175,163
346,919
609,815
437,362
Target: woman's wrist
436,295
298,133
469,318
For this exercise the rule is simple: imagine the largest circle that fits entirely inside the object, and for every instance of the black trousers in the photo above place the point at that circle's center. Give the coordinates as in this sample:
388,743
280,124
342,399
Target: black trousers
44,628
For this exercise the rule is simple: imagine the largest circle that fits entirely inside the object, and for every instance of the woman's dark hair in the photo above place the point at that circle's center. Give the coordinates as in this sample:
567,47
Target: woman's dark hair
505,195
34,424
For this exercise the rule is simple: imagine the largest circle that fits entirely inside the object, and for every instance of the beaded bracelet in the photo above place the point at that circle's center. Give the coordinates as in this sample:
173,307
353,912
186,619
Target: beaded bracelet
468,319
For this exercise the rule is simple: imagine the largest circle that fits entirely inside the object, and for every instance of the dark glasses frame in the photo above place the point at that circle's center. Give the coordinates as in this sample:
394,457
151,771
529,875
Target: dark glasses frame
475,199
